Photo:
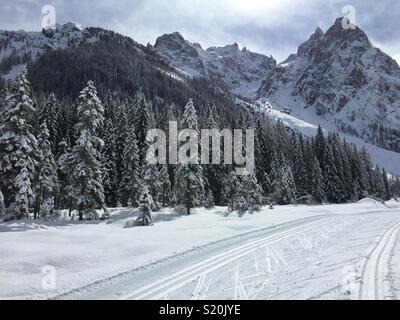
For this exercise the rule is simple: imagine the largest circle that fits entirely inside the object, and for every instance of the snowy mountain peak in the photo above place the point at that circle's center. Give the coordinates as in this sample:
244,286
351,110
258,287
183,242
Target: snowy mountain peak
170,37
342,31
340,77
241,71
69,27
318,33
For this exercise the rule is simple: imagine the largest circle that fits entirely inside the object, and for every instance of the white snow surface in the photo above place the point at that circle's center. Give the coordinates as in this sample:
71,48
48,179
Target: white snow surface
297,252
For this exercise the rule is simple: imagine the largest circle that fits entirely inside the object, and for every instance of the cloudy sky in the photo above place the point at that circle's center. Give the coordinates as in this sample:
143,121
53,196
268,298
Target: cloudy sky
272,27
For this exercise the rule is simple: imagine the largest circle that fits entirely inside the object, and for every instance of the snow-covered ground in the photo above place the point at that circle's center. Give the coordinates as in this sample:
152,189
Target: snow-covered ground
297,252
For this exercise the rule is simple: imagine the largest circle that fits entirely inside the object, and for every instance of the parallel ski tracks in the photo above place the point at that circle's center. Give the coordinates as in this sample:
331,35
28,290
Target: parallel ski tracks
373,273
161,288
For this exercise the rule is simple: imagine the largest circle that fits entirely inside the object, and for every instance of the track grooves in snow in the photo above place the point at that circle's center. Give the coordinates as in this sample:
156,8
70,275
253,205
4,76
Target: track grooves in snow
373,274
161,288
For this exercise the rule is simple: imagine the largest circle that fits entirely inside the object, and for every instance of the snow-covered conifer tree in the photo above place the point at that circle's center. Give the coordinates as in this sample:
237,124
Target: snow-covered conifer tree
250,193
129,185
24,197
319,147
85,178
189,178
63,201
367,170
284,185
388,193
47,187
146,203
209,200
316,180
378,184
331,176
165,186
49,114
109,153
142,123
18,147
151,178
230,190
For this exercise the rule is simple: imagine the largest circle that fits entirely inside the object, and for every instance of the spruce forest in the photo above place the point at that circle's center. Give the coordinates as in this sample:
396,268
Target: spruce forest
88,154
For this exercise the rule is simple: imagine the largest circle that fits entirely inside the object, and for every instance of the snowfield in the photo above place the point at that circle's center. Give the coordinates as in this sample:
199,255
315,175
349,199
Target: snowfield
345,251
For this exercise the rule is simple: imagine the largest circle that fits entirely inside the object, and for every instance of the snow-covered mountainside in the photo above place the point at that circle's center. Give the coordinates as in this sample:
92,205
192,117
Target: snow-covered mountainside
384,158
240,71
341,77
20,47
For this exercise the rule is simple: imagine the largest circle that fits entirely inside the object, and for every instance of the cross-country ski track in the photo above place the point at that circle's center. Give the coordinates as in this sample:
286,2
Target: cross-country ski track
374,271
234,266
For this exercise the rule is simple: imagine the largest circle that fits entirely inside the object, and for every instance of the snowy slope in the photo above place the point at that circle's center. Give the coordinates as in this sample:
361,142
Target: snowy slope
340,77
116,255
307,124
240,71
20,47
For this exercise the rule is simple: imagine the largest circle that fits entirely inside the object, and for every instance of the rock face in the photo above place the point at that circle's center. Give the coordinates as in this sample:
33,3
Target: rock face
240,71
341,77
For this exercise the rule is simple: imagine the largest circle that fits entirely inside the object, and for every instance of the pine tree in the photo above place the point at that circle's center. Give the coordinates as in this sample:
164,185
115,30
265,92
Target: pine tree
18,147
317,182
360,175
299,165
348,182
331,177
378,184
47,188
388,193
319,147
209,200
146,203
214,173
249,193
129,185
49,114
109,155
142,122
165,186
63,200
189,178
338,158
85,178
24,197
151,178
121,133
367,171
230,190
189,186
284,186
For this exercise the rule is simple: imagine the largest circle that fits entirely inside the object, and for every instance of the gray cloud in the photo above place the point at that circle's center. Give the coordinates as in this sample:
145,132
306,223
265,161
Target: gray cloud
271,27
